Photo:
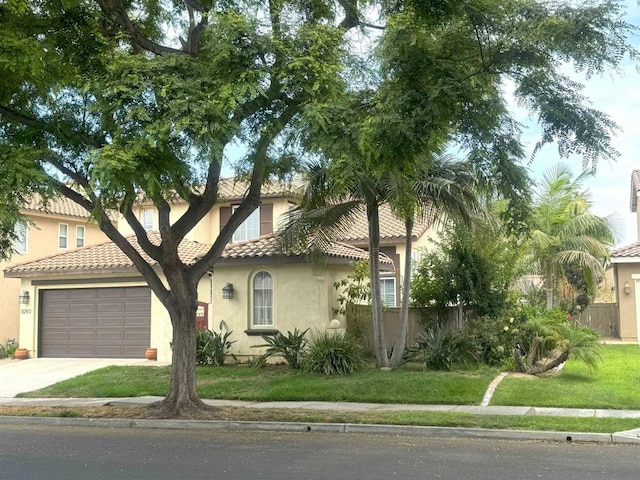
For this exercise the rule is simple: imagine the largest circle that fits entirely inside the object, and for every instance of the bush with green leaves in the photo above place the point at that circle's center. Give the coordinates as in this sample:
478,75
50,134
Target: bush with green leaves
441,349
8,351
492,338
333,353
291,347
212,348
546,340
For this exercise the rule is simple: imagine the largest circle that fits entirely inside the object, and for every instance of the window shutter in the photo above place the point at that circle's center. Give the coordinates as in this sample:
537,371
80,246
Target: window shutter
266,219
225,215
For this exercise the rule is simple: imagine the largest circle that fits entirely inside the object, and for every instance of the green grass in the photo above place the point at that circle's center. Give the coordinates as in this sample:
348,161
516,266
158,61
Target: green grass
280,384
614,385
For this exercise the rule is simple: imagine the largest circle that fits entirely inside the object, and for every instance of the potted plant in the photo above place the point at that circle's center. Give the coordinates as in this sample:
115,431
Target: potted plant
21,354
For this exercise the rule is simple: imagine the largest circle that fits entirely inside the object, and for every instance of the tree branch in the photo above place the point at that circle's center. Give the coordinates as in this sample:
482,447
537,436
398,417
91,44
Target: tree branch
117,9
67,134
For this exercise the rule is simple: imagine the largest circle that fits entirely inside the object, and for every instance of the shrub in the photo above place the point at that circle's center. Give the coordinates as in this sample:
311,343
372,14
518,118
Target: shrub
333,354
212,348
440,349
291,347
8,351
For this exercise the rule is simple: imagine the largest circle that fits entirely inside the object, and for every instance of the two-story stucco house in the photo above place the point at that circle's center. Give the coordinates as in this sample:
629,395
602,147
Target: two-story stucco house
91,302
626,268
60,226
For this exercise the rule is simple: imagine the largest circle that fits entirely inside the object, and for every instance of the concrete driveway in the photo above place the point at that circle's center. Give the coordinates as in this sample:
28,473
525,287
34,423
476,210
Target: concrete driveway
18,376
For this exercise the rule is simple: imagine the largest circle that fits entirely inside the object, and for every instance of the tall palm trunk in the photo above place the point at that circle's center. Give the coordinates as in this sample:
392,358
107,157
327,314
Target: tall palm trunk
548,284
401,339
379,340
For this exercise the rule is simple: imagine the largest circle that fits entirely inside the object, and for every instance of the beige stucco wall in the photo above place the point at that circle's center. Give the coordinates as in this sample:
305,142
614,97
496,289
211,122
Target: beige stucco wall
303,297
628,302
42,241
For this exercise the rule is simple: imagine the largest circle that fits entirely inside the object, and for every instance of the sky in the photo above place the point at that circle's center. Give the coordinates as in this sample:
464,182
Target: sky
618,95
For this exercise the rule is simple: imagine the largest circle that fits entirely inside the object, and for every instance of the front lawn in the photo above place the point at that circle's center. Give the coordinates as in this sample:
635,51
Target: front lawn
276,383
614,385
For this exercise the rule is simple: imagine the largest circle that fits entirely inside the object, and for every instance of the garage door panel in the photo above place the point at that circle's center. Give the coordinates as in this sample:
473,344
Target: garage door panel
78,336
81,351
99,322
110,336
81,293
132,336
81,322
57,336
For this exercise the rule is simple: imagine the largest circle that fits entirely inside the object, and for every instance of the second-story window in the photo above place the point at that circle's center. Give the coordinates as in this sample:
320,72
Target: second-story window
20,240
79,236
147,218
249,229
63,235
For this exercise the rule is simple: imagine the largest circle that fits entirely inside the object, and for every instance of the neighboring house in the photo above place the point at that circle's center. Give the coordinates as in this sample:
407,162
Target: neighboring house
92,302
58,227
626,270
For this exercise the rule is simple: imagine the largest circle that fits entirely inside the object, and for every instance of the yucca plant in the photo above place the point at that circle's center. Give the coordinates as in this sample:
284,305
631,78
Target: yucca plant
440,349
212,348
291,347
333,354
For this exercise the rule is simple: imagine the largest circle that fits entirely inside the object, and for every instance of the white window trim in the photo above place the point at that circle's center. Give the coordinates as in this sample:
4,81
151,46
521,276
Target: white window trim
81,228
65,236
254,325
242,234
386,279
25,242
143,220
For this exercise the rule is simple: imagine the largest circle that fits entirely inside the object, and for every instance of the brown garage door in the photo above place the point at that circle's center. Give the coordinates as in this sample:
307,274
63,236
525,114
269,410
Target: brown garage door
95,322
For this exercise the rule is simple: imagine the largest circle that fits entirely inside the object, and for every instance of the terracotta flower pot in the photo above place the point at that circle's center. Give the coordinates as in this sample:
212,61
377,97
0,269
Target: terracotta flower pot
21,354
151,354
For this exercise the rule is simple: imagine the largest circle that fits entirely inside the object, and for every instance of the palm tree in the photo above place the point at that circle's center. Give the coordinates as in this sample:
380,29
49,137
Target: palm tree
565,232
435,189
337,192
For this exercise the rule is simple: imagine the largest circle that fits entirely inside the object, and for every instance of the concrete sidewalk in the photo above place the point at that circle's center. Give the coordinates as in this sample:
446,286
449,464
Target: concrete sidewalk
630,436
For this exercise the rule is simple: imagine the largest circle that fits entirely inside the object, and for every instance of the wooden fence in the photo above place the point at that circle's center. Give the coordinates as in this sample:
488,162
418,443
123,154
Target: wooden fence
359,322
602,317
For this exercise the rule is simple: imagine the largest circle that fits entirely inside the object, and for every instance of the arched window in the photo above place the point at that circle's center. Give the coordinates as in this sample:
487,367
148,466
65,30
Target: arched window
262,299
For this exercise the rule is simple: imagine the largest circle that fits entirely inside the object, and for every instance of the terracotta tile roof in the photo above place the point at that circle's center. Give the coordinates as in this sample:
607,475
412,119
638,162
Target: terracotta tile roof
102,256
635,188
234,189
391,227
108,256
267,247
56,206
627,251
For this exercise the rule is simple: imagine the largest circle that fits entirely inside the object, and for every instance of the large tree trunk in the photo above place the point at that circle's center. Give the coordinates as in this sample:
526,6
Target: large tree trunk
379,340
181,399
401,339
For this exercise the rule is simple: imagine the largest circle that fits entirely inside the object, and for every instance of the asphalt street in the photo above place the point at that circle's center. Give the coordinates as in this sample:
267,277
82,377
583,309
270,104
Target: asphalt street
73,453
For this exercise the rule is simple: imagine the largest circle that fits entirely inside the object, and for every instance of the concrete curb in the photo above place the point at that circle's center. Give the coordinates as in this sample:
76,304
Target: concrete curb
630,437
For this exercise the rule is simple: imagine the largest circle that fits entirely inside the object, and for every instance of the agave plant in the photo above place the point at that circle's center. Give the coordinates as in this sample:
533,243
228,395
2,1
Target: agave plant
291,347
